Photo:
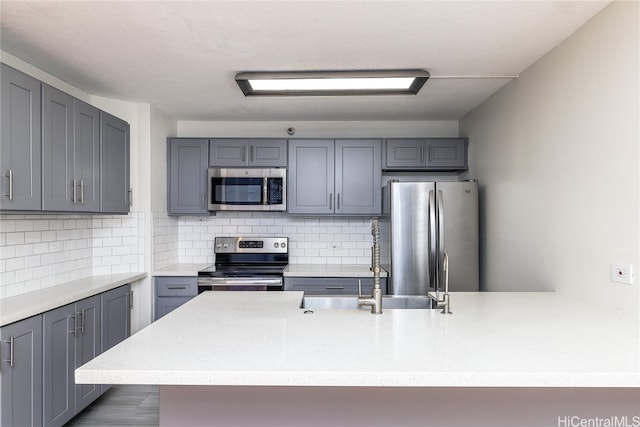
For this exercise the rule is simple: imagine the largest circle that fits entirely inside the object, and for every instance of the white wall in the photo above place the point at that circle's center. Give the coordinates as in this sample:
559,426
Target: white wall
318,129
557,156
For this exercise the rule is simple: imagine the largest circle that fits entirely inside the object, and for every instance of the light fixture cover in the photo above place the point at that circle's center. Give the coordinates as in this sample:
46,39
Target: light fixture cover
332,83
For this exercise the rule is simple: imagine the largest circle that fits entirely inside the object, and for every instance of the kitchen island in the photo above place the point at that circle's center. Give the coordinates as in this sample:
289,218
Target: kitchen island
245,358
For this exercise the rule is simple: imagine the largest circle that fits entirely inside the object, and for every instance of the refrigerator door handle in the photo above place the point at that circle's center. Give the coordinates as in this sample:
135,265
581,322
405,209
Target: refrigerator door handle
440,235
433,242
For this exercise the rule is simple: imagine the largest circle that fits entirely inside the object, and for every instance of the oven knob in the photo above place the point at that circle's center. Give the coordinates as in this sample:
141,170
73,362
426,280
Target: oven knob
276,244
283,245
225,245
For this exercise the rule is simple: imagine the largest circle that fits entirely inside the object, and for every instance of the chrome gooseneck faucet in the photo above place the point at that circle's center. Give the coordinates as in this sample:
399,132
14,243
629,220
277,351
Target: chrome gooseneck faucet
375,300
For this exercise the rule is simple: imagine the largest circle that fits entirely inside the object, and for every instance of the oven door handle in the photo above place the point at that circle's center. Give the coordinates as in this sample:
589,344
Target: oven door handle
238,281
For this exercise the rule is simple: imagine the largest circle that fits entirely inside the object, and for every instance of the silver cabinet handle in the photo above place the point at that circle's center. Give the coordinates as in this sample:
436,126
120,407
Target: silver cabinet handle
75,324
131,300
244,153
330,201
130,196
75,194
202,201
334,288
251,153
177,287
10,176
422,154
81,313
82,191
11,345
338,202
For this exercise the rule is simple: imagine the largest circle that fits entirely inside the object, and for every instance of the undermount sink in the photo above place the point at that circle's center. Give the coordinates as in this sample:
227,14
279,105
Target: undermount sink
389,302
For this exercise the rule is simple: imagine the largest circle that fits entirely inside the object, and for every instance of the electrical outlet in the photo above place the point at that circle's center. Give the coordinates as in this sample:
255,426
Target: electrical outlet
334,245
622,273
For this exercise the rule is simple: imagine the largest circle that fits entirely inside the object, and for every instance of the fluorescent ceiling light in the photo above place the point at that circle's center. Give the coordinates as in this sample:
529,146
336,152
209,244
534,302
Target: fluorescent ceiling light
332,83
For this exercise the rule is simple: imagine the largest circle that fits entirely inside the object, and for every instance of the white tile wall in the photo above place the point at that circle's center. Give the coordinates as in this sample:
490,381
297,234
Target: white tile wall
38,251
311,240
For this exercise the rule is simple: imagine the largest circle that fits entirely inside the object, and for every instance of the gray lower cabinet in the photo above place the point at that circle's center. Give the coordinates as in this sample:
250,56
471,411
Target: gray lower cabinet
173,291
332,285
239,152
429,154
188,160
21,378
116,316
72,337
115,160
335,177
71,153
20,142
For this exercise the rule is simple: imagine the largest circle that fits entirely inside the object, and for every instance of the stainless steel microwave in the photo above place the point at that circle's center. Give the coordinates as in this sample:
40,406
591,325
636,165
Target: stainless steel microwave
245,189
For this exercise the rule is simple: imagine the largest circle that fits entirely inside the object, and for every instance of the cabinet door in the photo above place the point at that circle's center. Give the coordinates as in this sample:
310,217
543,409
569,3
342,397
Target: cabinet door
116,316
87,156
20,143
59,330
405,153
114,164
358,177
311,177
188,162
59,192
268,152
166,305
21,384
447,153
88,346
228,152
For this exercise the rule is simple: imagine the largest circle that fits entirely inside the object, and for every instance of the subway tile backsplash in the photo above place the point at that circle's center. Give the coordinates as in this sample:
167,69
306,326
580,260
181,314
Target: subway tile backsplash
311,240
38,251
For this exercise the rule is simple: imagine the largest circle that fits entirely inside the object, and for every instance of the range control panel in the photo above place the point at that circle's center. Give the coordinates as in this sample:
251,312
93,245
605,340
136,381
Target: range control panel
251,245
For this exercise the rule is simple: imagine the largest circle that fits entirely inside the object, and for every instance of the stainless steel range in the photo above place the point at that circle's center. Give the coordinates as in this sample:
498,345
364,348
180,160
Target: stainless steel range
246,264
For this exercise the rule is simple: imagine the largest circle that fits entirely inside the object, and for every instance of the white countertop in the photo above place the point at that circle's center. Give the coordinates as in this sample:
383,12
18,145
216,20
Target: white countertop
490,340
180,270
330,270
20,307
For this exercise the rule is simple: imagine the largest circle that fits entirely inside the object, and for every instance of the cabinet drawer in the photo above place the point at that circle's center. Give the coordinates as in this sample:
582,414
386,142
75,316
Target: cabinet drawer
176,286
332,285
168,304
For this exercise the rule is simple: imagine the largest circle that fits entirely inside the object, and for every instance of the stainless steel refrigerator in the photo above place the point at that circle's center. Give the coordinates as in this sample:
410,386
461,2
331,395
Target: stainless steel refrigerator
422,220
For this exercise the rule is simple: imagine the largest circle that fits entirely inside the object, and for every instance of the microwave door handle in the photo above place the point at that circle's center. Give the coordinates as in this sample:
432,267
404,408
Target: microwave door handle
265,186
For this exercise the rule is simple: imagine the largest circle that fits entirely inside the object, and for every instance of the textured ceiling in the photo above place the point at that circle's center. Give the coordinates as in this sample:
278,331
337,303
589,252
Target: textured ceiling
181,56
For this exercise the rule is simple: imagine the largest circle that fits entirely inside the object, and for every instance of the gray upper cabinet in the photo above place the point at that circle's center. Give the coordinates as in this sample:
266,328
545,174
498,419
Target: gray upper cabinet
436,154
187,176
20,146
71,153
335,177
358,172
447,153
114,164
405,153
21,366
236,152
311,176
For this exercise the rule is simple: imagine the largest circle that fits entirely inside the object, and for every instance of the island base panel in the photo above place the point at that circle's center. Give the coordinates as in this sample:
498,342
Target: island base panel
234,406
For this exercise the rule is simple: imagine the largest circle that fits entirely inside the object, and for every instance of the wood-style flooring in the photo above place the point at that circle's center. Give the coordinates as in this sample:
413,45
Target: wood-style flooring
122,405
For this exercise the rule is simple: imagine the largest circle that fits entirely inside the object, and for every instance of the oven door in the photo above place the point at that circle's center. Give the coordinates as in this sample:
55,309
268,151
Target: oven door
240,284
